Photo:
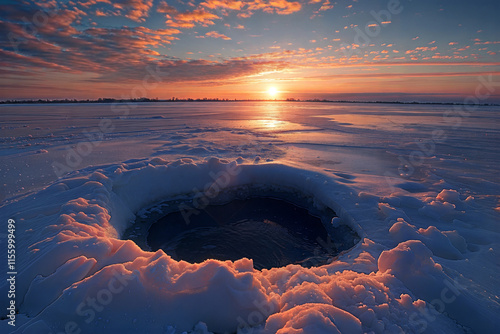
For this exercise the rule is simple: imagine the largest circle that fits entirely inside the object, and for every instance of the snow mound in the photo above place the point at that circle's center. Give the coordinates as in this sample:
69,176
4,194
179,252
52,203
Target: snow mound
447,244
411,262
77,274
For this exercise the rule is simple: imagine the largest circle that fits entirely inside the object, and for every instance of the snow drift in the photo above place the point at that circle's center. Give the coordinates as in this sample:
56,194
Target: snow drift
77,273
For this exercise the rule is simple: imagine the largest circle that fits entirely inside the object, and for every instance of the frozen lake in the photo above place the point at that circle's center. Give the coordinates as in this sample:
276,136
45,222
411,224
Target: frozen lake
418,183
366,139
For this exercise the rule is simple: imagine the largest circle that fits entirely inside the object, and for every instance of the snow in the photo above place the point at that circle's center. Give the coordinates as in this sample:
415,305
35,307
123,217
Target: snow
427,260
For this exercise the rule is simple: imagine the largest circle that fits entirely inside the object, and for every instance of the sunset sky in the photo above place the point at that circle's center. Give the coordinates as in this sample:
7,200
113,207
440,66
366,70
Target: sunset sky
424,50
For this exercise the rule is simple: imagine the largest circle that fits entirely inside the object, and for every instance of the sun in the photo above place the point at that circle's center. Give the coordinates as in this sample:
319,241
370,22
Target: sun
272,91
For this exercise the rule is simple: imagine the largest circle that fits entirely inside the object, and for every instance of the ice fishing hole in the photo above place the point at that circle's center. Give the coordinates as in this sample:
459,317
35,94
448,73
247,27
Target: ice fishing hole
272,231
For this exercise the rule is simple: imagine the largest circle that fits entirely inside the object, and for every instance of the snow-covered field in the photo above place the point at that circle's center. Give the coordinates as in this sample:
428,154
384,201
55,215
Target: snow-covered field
418,183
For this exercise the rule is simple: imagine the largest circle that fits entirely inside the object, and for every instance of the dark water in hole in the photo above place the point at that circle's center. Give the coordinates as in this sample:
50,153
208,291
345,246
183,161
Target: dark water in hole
272,232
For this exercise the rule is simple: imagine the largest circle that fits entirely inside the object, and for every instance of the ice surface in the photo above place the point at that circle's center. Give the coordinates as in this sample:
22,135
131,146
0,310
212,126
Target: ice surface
420,188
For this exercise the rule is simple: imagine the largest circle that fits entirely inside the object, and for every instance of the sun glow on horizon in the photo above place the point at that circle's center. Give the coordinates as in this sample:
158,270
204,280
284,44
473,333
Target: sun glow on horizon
272,92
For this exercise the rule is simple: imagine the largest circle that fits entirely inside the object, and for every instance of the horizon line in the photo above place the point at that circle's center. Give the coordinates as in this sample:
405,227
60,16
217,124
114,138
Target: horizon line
174,99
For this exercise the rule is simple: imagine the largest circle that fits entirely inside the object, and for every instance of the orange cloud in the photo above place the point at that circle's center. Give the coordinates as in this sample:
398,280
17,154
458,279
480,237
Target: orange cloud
200,71
227,4
190,18
201,15
215,34
89,3
136,10
245,15
163,7
282,7
487,43
404,75
98,12
325,6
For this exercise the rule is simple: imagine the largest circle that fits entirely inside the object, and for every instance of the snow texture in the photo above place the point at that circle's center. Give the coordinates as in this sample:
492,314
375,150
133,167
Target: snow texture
427,261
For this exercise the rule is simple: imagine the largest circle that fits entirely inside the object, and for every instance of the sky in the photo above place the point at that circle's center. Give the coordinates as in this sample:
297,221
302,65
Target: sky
420,50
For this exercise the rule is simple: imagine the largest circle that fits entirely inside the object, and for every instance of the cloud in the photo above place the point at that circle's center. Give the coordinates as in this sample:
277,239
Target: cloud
199,71
110,55
405,75
215,34
99,12
189,19
46,4
377,64
163,7
56,21
282,7
238,26
421,49
227,4
486,43
90,3
325,6
59,46
284,55
136,10
202,14
226,70
11,61
245,15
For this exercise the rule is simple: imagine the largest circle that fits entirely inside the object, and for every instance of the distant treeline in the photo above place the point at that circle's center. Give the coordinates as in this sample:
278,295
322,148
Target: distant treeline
205,99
